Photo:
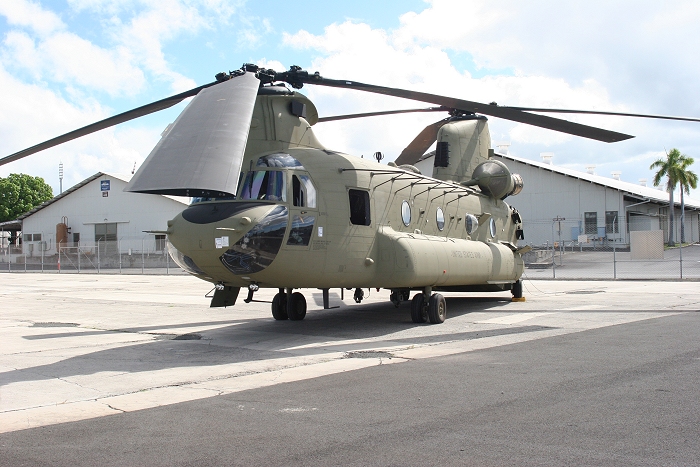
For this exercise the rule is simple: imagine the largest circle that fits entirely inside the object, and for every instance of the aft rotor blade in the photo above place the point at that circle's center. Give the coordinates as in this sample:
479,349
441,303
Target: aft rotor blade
557,124
201,154
413,152
385,112
599,112
107,122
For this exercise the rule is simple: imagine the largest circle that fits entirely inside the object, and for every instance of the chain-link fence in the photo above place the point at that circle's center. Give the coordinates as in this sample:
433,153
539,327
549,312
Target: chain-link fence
593,257
644,258
145,255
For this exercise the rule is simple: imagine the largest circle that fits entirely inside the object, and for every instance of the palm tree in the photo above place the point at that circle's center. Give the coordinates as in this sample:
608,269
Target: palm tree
687,179
670,168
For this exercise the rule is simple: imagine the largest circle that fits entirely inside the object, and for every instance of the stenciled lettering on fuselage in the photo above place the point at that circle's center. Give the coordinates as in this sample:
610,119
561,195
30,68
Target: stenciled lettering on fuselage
466,254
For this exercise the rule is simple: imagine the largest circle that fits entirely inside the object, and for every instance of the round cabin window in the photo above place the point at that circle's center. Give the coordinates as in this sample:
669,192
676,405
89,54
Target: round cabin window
471,223
406,213
440,219
492,227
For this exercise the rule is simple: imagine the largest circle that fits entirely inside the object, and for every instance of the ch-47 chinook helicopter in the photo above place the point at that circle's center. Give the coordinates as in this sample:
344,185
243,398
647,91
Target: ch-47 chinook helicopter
273,207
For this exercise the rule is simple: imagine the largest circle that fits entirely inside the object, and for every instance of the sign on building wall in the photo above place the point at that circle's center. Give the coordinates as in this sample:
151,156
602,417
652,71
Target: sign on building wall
104,185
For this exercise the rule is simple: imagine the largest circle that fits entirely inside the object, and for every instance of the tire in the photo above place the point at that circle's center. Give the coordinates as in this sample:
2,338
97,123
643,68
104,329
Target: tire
517,289
437,309
418,314
298,311
279,307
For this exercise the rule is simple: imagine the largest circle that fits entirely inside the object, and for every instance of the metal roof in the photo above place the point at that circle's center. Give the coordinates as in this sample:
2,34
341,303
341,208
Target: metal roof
633,189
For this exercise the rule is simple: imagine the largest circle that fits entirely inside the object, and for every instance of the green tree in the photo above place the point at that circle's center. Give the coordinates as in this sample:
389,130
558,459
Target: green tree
687,180
20,193
674,169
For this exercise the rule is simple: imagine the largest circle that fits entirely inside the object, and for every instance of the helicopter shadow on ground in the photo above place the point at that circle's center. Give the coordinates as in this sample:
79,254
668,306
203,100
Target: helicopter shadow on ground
231,344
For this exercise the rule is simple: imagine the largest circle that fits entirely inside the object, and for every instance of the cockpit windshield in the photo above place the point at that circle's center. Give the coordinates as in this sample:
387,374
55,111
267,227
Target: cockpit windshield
269,185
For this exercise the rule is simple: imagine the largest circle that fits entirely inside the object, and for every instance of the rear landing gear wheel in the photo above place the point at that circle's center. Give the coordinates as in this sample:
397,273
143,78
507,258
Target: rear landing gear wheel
517,289
437,309
418,313
279,306
298,309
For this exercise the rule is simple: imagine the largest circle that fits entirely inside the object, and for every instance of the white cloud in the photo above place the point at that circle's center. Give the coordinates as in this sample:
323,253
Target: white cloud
30,14
620,56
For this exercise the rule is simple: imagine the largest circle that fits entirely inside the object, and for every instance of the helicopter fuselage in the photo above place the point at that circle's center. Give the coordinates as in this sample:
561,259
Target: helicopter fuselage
304,216
345,222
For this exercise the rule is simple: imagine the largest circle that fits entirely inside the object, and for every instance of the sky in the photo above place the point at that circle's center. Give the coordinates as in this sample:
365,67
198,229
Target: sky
67,63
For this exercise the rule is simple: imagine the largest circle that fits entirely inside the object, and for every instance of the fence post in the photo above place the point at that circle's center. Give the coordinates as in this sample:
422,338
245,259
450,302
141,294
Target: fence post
119,247
42,255
78,257
98,255
58,247
680,253
167,262
142,258
25,263
614,261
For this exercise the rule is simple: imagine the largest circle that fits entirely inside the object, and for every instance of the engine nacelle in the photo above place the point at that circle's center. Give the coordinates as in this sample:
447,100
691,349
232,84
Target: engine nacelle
494,179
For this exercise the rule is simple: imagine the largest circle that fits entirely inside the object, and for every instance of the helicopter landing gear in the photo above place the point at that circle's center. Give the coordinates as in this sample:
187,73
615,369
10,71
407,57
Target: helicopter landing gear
433,309
296,307
437,309
399,295
279,306
418,312
285,308
359,295
517,291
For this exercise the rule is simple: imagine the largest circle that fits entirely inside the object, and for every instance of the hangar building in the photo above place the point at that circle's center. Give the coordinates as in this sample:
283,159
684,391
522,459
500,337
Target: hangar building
97,210
559,204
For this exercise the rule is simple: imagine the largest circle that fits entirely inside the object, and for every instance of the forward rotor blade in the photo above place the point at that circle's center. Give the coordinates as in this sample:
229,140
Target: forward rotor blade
106,123
557,124
416,148
385,112
597,112
202,153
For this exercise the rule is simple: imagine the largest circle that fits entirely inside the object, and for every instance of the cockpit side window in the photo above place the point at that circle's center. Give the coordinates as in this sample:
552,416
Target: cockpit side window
268,185
303,191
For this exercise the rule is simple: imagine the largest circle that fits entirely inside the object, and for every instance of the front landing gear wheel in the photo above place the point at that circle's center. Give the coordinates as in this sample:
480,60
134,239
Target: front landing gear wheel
298,310
418,313
437,309
279,306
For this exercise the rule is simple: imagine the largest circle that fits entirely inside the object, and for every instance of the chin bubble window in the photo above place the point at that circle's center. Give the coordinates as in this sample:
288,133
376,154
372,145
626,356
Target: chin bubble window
406,213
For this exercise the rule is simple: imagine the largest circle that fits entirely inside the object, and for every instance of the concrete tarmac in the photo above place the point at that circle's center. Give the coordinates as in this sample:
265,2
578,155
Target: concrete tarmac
137,370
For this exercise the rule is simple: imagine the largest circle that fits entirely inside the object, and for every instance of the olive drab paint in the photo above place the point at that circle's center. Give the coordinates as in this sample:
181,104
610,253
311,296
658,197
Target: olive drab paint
309,217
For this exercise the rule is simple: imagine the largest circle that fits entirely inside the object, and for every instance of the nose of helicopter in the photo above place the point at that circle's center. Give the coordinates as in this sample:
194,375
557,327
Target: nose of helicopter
243,237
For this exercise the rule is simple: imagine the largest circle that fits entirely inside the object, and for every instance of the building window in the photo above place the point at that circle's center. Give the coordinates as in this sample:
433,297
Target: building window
612,219
106,232
590,223
160,242
359,207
